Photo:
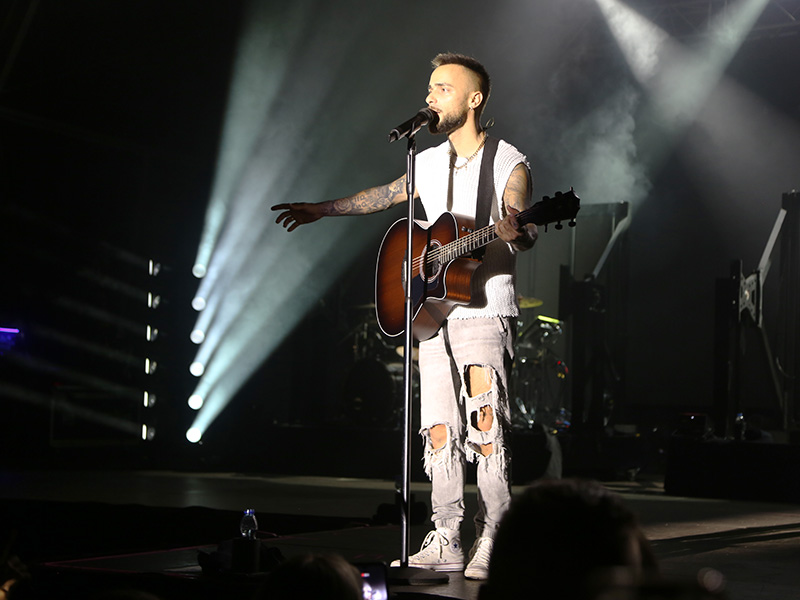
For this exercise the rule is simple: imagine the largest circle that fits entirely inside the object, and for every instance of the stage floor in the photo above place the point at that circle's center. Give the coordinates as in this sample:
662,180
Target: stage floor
84,525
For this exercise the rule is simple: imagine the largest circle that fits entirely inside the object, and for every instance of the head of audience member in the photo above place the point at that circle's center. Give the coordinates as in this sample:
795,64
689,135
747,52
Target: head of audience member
313,577
566,539
15,580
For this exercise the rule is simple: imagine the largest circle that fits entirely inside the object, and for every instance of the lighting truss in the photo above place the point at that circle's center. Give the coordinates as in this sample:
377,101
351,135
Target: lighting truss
693,18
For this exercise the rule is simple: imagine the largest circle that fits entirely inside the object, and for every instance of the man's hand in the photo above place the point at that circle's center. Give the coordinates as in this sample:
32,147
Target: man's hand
522,237
298,213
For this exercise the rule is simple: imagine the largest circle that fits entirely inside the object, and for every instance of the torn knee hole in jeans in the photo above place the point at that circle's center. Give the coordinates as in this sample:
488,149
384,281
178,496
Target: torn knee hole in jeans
481,406
478,379
484,428
443,456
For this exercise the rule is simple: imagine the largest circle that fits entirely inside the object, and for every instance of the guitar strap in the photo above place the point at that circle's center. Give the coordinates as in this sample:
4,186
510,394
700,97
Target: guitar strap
485,189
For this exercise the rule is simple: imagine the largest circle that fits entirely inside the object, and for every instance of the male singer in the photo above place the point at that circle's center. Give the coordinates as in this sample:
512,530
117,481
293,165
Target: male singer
464,411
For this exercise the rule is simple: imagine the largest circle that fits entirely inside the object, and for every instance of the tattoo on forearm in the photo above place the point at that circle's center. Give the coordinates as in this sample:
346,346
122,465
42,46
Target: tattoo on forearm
517,194
369,201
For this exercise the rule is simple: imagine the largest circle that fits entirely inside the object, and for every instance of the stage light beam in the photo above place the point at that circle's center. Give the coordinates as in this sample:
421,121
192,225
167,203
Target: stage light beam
678,79
258,281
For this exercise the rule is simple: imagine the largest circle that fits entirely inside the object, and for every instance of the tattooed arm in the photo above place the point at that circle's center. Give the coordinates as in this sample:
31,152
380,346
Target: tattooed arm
517,197
365,202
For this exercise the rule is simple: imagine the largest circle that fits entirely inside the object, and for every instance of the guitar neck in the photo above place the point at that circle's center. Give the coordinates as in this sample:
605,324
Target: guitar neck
479,238
550,210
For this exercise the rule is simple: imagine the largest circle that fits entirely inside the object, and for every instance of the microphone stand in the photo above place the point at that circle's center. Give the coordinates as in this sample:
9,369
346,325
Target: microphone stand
406,574
408,348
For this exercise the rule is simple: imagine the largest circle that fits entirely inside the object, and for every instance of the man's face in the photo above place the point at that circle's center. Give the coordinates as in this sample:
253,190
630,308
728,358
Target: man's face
451,90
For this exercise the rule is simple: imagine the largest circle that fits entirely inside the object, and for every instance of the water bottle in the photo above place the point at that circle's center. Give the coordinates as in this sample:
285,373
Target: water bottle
248,525
739,426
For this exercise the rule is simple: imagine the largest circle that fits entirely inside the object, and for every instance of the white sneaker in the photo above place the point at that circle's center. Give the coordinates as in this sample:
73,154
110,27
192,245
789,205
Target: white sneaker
441,551
478,567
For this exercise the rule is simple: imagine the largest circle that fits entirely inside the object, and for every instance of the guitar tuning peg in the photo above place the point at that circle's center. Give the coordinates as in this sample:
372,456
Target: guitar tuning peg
545,227
559,226
572,223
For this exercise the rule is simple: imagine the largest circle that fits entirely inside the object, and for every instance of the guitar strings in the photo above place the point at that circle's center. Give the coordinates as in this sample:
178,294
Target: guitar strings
481,237
457,247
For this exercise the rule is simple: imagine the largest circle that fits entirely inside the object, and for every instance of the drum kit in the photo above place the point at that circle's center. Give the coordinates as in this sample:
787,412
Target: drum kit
372,393
538,385
373,387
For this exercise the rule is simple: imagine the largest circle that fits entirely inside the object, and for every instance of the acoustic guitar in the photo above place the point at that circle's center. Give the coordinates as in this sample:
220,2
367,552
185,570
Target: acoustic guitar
442,267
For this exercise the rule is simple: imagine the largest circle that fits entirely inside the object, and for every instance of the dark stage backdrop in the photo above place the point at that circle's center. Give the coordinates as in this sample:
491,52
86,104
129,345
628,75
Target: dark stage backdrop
111,120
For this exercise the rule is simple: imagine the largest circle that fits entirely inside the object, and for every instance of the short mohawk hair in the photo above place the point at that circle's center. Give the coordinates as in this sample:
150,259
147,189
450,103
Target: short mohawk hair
453,58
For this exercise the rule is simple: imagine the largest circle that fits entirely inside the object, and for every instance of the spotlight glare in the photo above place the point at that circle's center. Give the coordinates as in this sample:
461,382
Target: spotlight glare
149,400
198,303
150,366
197,336
199,271
195,401
194,434
197,368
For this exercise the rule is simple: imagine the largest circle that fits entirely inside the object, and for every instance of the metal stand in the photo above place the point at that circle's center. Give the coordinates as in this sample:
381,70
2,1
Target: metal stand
739,300
405,574
585,304
405,504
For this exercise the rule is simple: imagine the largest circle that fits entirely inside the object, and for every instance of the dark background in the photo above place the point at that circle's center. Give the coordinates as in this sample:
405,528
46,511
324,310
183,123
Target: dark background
110,121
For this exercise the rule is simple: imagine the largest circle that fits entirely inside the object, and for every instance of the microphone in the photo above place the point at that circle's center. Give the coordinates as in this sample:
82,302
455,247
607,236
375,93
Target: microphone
424,117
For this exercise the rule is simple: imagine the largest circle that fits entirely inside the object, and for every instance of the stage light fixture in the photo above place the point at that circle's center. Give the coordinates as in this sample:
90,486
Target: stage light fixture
153,300
197,336
199,271
197,368
148,433
198,303
194,435
8,338
151,333
195,401
154,268
150,366
149,399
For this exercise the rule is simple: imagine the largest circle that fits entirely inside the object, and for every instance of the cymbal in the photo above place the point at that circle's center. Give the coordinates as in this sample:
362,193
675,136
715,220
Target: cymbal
529,302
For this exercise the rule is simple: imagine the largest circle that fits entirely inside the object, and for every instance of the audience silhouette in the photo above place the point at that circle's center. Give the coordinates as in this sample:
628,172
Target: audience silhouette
566,539
313,577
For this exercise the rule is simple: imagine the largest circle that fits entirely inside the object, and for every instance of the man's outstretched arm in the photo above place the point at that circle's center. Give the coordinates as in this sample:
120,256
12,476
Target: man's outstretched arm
368,201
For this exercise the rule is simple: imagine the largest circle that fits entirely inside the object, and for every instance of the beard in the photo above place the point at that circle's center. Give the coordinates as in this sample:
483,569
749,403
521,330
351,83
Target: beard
449,123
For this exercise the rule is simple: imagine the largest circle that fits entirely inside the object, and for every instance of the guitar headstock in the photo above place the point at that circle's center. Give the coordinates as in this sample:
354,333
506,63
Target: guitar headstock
561,207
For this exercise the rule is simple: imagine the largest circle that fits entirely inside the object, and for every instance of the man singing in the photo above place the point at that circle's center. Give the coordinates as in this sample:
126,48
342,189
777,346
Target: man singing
464,410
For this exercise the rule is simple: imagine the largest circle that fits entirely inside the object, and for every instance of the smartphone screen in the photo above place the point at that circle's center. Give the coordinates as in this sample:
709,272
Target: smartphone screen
373,581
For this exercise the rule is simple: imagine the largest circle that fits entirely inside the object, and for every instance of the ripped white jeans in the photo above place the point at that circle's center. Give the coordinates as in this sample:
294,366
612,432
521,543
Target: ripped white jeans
444,362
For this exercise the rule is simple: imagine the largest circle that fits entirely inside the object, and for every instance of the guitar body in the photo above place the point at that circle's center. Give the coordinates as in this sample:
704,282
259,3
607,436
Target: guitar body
442,275
435,287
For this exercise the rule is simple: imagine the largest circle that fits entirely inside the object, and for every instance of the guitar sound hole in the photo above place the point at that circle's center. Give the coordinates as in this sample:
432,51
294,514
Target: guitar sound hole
432,265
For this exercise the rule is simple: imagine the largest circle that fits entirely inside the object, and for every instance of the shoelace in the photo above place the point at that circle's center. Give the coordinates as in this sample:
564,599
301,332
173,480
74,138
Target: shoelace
429,539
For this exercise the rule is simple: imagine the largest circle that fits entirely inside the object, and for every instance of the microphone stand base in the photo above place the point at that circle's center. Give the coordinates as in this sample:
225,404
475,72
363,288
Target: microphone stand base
416,576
